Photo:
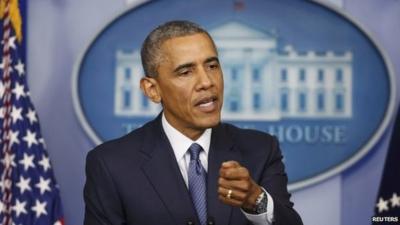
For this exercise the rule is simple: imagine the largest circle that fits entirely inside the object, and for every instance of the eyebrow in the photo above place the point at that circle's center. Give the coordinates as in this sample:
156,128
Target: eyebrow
188,65
212,59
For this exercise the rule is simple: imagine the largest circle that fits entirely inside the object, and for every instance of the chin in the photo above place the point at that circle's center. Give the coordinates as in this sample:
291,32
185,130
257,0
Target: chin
210,122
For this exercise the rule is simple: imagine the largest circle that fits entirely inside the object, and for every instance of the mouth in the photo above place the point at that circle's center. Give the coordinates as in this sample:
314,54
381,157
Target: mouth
207,104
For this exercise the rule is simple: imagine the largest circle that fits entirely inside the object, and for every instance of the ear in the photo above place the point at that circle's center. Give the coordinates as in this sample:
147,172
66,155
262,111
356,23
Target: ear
149,87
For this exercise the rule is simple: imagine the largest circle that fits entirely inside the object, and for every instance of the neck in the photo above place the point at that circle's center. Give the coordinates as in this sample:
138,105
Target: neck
190,132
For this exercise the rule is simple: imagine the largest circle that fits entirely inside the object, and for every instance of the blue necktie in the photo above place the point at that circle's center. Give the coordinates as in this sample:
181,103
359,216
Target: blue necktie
197,183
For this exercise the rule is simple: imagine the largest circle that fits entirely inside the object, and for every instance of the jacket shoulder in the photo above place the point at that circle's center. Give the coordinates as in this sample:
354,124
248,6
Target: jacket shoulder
128,144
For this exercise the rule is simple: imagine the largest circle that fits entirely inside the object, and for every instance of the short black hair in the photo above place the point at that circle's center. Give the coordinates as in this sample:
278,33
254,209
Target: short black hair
151,47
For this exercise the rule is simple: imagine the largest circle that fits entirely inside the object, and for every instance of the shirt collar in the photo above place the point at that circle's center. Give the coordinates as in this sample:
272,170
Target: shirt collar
180,143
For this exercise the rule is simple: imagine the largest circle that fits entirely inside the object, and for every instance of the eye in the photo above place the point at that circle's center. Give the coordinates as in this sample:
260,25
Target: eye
184,72
213,65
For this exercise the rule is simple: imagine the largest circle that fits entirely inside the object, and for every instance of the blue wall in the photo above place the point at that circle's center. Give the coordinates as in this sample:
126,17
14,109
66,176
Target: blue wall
60,30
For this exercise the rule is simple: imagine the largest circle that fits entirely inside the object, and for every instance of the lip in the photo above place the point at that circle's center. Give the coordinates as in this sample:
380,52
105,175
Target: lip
207,104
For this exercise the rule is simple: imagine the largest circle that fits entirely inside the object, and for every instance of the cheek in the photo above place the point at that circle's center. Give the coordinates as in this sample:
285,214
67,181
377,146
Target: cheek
220,81
181,98
183,91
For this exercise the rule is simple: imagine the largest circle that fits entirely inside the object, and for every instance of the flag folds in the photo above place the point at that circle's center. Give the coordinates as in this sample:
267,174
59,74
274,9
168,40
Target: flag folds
28,190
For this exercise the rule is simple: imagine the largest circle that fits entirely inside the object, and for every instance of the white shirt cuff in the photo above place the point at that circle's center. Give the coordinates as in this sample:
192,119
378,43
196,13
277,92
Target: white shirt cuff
264,218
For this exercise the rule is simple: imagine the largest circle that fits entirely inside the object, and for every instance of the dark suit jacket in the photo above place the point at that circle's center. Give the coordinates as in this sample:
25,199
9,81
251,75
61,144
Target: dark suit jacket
136,180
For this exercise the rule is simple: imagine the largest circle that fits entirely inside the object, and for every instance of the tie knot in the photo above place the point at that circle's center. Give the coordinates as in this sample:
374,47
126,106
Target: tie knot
195,150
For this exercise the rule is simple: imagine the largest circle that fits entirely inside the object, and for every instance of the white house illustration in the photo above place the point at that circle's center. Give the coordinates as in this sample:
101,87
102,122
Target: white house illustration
262,82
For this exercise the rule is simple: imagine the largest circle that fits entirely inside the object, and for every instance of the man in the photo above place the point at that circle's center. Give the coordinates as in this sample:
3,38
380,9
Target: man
186,167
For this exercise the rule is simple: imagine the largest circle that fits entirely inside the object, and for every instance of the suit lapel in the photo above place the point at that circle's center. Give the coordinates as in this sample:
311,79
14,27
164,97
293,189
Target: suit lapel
221,150
163,173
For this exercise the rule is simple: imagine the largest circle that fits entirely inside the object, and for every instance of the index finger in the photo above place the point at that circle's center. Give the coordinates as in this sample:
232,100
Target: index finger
230,164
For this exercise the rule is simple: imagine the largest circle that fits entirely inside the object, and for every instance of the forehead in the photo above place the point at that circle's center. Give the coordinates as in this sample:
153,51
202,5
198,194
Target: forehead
188,48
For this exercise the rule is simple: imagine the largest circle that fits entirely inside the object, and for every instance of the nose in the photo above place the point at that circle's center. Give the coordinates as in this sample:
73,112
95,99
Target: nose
205,80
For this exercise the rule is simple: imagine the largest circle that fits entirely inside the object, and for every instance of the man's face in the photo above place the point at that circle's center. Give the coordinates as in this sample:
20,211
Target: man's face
190,84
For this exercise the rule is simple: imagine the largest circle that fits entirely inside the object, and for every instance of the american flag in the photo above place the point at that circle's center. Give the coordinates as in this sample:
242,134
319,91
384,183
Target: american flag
387,206
28,190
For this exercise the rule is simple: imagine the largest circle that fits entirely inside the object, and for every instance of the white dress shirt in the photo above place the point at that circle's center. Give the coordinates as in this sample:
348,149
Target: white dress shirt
180,145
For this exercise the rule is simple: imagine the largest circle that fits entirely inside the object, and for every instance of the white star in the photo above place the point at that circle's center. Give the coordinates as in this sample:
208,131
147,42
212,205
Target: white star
19,207
31,115
382,205
5,185
43,185
1,207
1,112
19,90
8,160
20,67
27,161
24,185
30,138
16,114
13,137
395,200
40,208
45,163
11,42
41,140
10,63
2,89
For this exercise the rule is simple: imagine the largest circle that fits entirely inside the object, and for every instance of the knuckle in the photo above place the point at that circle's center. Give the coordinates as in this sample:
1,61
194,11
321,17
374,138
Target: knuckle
243,197
239,197
246,186
246,172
